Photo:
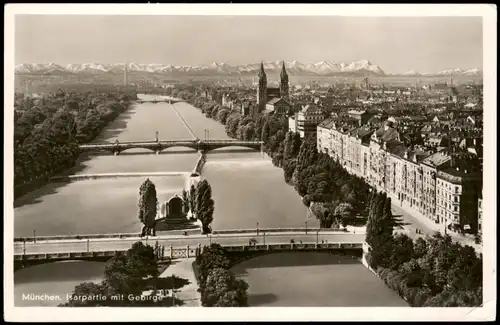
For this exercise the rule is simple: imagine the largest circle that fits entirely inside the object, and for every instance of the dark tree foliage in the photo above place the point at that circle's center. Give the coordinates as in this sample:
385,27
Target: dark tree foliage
124,274
217,285
204,205
48,129
148,204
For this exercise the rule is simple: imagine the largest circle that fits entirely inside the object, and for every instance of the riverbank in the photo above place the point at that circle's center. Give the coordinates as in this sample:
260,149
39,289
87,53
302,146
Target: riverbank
32,154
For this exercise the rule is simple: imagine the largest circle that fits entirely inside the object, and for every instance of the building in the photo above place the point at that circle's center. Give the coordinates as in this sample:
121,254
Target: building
361,116
430,166
308,119
457,194
278,105
265,94
423,183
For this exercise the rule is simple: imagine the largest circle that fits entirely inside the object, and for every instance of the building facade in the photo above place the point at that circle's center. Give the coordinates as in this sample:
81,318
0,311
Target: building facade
423,183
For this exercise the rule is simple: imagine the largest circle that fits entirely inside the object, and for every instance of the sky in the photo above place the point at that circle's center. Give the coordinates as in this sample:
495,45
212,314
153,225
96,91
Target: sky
396,44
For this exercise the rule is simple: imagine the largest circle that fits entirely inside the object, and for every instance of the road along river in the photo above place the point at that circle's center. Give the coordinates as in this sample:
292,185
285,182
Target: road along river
248,192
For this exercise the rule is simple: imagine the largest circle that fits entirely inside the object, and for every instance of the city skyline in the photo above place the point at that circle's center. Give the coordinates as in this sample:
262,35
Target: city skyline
424,44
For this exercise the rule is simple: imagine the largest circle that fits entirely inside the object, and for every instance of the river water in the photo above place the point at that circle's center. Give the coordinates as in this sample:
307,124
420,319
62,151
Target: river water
247,190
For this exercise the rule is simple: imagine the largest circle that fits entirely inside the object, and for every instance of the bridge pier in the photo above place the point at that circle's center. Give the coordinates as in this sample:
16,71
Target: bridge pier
116,153
157,152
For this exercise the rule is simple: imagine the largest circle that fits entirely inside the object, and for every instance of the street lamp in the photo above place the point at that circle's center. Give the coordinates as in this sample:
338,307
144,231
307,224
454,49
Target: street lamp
264,235
257,228
34,235
317,235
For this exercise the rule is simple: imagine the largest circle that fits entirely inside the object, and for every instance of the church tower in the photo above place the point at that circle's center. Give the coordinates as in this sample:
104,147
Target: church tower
284,82
262,89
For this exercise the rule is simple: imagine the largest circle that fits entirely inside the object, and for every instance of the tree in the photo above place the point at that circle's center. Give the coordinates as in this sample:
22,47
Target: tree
95,294
185,200
204,205
213,256
345,212
148,204
192,200
142,261
222,289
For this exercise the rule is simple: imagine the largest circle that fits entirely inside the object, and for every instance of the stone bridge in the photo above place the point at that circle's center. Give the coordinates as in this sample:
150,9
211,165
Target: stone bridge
158,146
154,101
239,244
236,253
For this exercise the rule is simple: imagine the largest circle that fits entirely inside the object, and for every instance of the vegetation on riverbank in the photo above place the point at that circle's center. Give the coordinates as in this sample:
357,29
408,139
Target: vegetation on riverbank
199,201
148,206
335,196
431,272
49,128
126,277
217,284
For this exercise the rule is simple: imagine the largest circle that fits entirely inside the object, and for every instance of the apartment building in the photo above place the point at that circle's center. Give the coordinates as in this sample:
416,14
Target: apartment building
425,183
457,196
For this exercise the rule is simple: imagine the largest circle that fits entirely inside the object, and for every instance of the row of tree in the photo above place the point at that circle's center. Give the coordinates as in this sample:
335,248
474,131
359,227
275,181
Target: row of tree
126,277
335,196
48,129
198,201
431,272
217,284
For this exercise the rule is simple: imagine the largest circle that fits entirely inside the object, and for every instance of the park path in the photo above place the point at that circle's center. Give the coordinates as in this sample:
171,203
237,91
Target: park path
188,294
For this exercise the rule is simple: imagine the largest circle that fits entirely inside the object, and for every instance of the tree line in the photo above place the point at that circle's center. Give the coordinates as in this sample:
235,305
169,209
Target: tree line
334,196
48,129
198,201
217,284
430,272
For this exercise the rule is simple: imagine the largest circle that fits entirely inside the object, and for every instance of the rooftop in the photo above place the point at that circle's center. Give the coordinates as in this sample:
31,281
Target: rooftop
437,159
457,175
327,124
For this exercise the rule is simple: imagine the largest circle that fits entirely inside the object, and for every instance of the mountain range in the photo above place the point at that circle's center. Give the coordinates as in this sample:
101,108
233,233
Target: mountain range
294,68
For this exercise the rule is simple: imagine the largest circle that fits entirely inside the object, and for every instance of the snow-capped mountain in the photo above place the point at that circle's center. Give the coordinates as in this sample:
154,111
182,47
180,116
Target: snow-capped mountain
294,68
442,73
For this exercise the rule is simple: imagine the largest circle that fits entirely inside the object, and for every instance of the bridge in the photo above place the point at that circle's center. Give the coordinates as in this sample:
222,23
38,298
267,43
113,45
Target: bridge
156,101
177,246
158,146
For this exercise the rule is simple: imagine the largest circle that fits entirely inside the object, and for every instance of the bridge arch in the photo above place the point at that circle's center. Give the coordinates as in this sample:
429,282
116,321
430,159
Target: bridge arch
210,147
132,150
193,146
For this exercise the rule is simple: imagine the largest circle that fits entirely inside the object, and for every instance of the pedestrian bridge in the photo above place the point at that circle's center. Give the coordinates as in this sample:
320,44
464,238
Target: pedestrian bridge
158,146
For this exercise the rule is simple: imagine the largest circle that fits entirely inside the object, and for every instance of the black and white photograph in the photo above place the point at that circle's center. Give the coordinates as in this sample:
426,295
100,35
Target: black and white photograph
198,156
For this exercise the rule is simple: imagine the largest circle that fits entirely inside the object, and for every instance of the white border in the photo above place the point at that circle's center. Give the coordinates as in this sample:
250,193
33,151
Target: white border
489,14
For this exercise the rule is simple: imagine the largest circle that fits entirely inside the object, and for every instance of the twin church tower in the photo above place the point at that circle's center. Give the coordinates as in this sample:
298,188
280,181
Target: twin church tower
265,94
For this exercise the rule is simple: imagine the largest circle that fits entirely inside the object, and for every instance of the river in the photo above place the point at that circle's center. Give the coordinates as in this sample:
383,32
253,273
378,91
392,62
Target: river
248,192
